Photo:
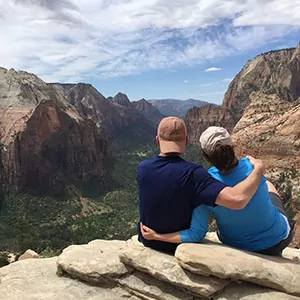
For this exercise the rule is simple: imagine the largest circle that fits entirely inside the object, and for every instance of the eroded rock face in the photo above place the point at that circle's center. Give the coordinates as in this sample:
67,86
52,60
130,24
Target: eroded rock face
148,110
274,272
36,279
274,73
43,137
164,267
146,274
96,262
199,118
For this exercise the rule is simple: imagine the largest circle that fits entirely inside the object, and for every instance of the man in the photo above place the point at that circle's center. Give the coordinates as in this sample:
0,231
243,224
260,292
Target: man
171,188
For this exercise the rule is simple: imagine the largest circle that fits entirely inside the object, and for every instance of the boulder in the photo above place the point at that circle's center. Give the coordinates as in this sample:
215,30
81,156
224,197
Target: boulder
225,262
97,262
164,267
29,254
36,279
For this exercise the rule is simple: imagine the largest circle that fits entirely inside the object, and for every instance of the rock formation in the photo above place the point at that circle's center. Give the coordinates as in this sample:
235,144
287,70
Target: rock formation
274,73
148,110
43,136
127,270
56,133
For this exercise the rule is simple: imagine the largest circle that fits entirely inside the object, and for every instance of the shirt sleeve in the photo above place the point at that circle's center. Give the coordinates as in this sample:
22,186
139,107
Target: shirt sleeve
198,228
207,188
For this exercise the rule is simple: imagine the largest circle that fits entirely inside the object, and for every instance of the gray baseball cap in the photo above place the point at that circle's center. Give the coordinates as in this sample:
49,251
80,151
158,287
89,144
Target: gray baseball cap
212,136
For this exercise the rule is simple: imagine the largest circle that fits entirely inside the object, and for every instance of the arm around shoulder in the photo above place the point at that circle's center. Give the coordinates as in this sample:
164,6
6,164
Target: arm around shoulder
238,197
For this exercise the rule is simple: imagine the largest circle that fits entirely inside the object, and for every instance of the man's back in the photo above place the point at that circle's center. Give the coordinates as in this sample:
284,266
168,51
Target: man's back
169,189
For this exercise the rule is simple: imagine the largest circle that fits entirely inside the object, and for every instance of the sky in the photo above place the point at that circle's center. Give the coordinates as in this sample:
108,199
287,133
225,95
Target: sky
149,49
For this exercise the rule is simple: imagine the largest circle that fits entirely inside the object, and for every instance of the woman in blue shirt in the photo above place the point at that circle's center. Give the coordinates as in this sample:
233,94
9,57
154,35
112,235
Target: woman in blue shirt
262,226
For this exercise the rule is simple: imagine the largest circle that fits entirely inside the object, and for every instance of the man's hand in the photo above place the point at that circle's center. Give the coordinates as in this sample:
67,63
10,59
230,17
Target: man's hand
257,164
148,233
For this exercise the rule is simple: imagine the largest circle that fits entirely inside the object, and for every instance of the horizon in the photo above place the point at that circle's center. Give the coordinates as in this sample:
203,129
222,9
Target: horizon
145,49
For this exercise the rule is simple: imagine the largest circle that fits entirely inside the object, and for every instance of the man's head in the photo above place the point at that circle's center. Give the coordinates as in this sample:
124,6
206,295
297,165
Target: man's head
217,148
172,135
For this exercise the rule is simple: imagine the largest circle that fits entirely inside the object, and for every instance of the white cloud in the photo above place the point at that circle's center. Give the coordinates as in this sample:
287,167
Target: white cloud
213,69
64,40
186,81
227,79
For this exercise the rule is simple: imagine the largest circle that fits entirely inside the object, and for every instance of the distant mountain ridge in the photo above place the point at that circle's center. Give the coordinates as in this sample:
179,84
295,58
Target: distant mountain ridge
176,107
50,132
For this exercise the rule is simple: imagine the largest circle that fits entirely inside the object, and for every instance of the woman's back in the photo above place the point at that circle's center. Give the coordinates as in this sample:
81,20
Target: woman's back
259,225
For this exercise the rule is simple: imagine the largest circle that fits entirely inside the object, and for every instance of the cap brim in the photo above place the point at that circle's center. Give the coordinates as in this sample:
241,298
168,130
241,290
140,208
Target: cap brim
172,147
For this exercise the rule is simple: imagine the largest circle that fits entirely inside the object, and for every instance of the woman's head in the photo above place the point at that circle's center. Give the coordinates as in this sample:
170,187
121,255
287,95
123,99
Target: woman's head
217,148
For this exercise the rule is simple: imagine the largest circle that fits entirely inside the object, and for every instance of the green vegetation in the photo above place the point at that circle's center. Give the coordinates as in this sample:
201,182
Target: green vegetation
103,208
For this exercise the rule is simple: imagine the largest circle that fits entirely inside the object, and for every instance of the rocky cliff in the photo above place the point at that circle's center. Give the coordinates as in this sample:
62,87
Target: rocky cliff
148,110
273,73
44,138
116,270
51,134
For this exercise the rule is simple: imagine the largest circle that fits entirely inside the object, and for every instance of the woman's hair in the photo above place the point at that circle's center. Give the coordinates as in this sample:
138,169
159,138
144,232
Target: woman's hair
222,157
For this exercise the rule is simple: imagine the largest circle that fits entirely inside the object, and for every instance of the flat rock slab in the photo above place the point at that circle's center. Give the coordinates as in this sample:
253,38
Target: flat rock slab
164,267
97,262
225,262
148,286
36,279
248,291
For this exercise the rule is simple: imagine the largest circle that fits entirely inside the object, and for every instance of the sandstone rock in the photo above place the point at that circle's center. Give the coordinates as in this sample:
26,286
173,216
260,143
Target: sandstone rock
164,267
97,262
246,291
225,262
153,288
29,254
37,279
135,240
292,254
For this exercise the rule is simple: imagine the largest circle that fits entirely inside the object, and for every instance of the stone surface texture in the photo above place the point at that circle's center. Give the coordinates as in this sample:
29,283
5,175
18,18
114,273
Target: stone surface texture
96,262
274,272
115,270
29,254
164,267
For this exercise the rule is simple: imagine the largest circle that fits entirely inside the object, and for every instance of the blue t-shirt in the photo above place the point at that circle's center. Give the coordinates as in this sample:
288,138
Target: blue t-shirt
169,190
256,227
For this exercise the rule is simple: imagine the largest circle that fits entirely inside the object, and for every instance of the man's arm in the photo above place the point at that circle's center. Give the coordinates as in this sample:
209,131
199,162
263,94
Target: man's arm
238,197
150,234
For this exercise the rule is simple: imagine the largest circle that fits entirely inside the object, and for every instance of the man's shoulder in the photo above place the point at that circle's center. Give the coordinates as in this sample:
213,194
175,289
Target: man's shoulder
147,162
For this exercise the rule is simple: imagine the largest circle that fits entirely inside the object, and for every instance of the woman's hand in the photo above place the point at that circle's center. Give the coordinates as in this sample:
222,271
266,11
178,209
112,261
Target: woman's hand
148,233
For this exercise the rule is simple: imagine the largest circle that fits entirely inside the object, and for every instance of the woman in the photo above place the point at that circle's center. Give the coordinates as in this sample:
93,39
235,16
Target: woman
262,226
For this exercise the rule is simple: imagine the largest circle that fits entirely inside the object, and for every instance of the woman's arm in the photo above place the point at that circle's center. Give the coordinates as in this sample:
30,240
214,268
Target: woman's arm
197,231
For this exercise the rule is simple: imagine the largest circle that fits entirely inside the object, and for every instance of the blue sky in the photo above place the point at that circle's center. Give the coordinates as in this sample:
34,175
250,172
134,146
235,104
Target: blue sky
145,48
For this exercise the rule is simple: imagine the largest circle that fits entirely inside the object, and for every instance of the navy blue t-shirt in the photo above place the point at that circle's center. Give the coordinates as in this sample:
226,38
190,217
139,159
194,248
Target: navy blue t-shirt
169,190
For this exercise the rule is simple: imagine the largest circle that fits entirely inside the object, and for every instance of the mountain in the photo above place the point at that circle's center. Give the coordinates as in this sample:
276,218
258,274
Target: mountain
273,73
43,137
148,110
55,133
174,107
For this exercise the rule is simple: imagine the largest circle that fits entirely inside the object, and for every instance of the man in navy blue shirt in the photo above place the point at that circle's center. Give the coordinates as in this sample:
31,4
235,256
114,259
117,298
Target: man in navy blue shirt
171,188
